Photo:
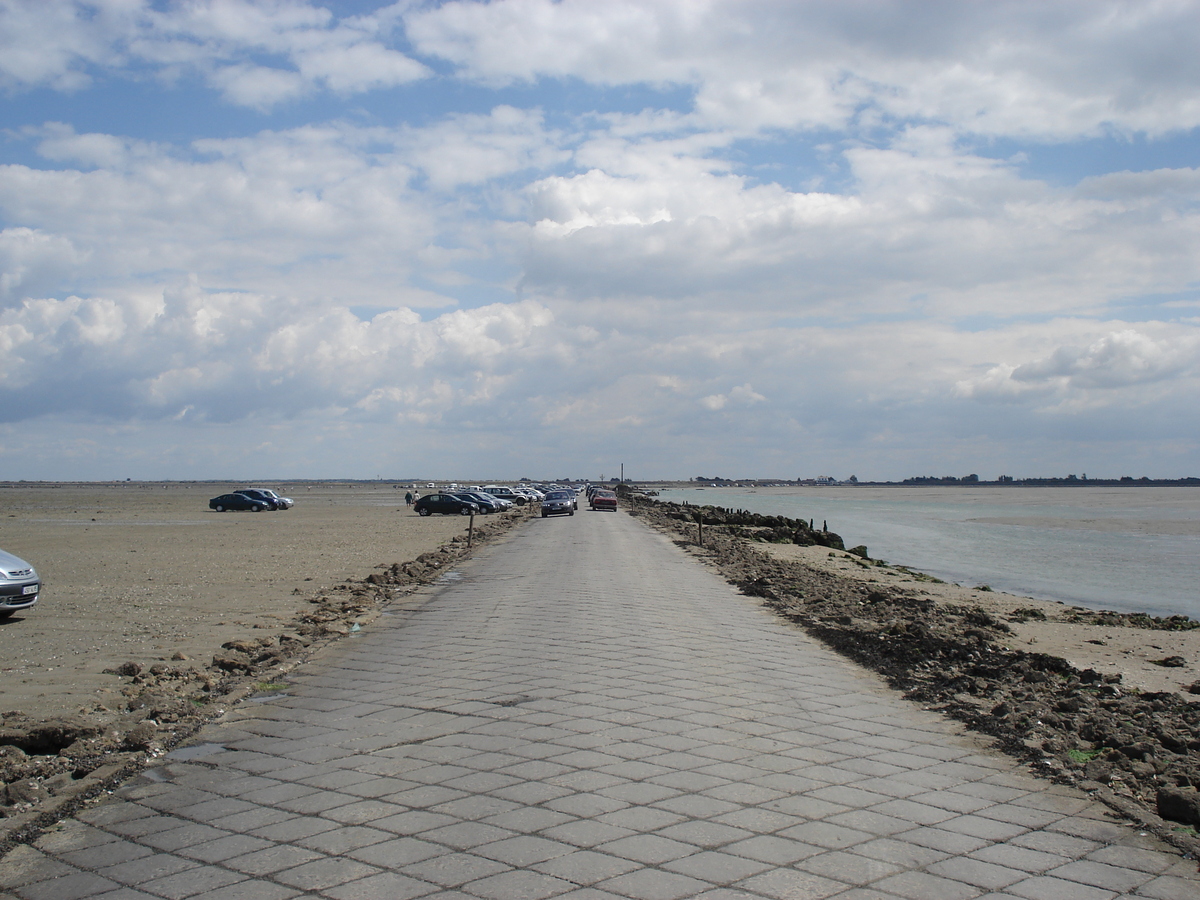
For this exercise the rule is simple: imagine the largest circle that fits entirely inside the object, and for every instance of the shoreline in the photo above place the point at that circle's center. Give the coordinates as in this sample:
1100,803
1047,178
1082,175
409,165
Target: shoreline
1036,677
1101,550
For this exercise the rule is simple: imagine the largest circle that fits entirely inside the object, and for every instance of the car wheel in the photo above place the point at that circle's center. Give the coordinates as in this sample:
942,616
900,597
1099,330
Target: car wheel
465,511
571,513
423,512
257,508
219,508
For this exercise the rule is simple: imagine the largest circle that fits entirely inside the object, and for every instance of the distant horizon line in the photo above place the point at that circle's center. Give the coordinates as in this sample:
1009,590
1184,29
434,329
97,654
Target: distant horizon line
820,481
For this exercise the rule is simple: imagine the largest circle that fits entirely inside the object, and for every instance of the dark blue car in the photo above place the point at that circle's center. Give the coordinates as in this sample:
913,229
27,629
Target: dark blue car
238,503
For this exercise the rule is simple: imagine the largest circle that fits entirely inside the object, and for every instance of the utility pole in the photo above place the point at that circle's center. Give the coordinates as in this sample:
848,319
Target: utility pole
622,473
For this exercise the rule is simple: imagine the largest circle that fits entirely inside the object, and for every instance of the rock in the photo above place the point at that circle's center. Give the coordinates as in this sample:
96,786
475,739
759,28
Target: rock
126,669
1170,662
242,646
140,736
27,790
1179,805
232,662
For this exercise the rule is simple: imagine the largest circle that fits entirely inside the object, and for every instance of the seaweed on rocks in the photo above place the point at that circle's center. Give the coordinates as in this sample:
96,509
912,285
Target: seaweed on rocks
1075,726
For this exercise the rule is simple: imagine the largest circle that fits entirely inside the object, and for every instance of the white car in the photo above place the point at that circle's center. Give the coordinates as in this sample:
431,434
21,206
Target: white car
506,493
19,585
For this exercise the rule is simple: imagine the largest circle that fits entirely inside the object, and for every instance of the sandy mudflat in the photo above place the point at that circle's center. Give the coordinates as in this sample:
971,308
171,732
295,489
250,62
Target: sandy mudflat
141,572
1108,649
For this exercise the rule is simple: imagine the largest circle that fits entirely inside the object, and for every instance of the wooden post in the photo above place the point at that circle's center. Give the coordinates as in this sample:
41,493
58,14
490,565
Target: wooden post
471,529
700,529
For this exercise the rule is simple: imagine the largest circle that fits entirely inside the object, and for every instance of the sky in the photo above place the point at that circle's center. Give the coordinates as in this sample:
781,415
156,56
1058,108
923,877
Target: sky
286,239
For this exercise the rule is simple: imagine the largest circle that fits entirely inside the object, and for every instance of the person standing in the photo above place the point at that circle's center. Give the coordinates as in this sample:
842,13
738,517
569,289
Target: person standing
408,499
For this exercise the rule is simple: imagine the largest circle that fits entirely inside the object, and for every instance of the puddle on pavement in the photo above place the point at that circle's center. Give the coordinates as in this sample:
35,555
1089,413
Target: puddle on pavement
264,698
450,577
197,751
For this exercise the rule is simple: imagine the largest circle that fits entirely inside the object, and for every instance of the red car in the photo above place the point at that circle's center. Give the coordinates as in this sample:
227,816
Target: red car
604,500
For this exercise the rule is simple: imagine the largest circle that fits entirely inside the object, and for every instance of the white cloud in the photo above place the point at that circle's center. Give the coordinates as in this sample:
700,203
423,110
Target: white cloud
1049,71
692,278
1118,367
60,43
473,149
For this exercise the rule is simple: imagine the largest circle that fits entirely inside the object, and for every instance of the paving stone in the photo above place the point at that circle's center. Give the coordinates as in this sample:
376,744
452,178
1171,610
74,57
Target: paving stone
321,874
785,884
273,859
454,869
585,867
25,865
1112,878
985,875
653,884
924,886
384,886
717,867
147,868
1045,887
193,882
67,887
851,868
1169,887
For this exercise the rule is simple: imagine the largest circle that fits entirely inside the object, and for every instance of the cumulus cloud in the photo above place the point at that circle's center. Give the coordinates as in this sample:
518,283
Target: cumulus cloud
744,394
1126,359
1049,71
223,356
804,244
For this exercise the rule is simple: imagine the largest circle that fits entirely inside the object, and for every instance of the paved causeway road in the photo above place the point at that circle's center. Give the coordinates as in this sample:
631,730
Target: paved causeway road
584,711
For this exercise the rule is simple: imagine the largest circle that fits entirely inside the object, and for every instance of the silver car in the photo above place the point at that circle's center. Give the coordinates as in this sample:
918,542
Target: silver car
19,585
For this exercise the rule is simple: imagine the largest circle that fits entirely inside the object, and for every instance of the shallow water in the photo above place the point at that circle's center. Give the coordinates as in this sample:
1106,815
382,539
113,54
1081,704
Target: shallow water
1129,549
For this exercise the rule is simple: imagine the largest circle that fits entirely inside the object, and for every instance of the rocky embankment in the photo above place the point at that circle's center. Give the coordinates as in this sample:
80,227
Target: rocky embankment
49,766
1140,752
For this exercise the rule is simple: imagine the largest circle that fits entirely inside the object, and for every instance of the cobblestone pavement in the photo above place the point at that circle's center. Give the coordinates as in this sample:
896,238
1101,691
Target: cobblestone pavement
584,711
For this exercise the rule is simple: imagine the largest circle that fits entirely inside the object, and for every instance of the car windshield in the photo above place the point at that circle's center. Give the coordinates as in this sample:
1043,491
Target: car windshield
558,495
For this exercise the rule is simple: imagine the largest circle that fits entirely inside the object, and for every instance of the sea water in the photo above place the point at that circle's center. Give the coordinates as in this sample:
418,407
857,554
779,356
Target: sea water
1130,549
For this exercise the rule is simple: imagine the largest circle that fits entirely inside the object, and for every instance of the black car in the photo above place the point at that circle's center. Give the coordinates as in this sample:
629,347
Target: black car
486,502
447,504
238,503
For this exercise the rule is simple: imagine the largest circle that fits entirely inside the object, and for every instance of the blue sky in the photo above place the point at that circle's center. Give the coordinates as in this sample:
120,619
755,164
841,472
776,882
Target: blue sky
290,239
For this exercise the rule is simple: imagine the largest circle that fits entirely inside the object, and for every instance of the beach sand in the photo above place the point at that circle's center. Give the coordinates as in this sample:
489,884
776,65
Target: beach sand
147,573
1109,649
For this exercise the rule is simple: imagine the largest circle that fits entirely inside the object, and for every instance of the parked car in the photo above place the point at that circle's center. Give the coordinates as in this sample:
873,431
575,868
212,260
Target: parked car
265,493
604,500
506,493
558,502
19,585
238,503
447,504
486,502
268,496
